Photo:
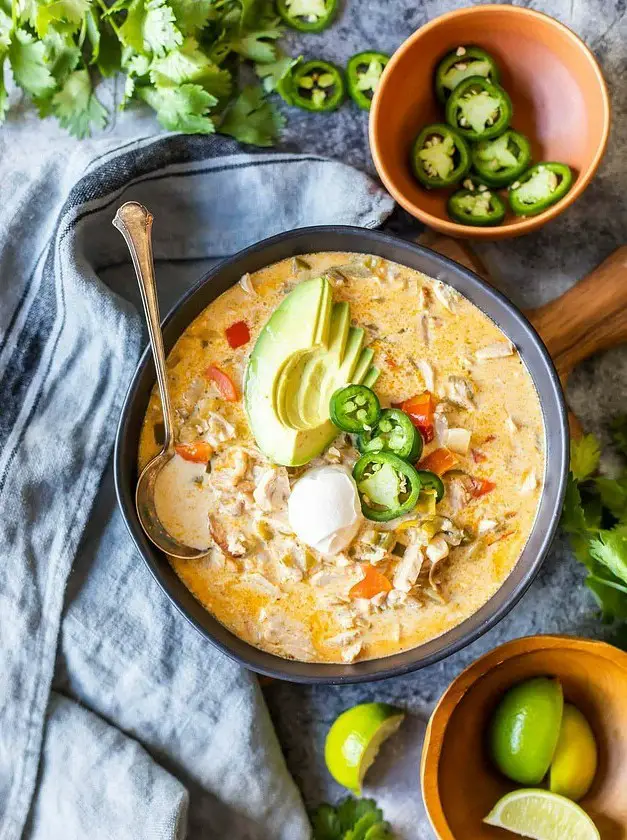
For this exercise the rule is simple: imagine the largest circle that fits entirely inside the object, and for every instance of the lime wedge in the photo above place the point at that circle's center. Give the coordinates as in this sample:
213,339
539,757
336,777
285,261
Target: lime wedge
354,740
542,815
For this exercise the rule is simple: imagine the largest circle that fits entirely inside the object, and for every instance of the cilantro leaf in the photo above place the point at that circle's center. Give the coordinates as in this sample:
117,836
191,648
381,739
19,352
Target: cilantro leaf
62,54
252,119
150,27
274,74
573,517
610,549
60,11
192,15
190,64
350,811
610,596
28,62
584,456
618,427
257,45
326,824
362,825
4,97
6,25
76,106
182,108
613,494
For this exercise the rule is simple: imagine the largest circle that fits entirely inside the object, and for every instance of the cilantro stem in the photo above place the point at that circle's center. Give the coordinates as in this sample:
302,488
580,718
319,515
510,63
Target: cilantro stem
112,23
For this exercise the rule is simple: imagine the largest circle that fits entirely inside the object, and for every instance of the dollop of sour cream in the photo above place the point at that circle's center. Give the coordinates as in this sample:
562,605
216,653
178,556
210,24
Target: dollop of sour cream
324,510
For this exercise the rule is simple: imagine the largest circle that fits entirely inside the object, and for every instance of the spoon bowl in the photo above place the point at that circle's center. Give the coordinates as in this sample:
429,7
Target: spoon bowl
134,222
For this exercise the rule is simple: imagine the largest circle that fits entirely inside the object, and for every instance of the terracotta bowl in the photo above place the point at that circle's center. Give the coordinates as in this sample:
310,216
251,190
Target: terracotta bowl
459,783
559,95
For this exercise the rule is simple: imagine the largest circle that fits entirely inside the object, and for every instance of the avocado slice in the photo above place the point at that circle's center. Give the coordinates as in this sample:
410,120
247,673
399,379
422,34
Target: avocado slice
304,353
371,377
363,364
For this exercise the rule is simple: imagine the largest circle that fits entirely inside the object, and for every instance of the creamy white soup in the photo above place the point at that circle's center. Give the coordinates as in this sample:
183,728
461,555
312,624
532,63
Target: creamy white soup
307,558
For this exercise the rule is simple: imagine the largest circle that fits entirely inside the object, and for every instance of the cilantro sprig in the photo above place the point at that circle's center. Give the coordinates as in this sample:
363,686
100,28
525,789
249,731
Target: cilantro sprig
181,57
595,518
350,819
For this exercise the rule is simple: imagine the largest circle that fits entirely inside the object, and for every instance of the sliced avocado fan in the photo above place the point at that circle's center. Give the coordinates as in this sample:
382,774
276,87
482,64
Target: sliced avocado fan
305,352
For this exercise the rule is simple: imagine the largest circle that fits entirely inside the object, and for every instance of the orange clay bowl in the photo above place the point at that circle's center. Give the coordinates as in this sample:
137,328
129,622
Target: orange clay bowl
559,95
459,783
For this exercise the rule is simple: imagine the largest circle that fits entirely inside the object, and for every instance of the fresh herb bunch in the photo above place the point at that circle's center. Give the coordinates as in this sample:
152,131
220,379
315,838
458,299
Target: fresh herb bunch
182,57
351,819
595,518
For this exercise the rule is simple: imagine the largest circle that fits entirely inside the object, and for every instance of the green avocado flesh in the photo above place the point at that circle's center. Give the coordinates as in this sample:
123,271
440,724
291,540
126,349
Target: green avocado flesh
305,352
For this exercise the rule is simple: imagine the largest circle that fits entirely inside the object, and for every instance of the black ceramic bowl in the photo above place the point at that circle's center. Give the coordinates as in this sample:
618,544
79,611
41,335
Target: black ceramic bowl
493,304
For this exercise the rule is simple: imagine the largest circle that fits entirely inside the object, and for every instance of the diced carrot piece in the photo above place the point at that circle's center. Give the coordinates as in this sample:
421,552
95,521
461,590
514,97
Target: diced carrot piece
420,409
223,382
237,334
439,461
373,583
481,486
199,452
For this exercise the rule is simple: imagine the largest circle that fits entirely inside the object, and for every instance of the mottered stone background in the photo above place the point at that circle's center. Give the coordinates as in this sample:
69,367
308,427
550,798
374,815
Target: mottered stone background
531,270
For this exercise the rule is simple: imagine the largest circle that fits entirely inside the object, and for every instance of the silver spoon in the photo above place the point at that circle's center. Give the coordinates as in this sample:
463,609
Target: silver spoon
134,222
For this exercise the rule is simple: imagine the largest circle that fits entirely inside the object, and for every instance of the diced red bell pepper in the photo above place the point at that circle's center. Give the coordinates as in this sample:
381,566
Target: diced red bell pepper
373,583
439,461
223,382
481,486
199,451
237,334
420,409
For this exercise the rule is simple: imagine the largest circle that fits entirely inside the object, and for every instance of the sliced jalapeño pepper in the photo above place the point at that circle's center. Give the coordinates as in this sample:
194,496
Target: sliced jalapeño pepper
363,73
393,433
500,161
477,207
317,86
355,408
440,156
539,188
459,65
388,486
430,481
307,15
479,109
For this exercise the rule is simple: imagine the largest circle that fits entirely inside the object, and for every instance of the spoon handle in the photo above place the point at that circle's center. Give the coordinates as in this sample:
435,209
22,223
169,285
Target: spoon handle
134,222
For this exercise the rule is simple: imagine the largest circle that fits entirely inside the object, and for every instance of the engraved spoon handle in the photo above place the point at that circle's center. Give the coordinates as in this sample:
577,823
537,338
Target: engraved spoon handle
134,222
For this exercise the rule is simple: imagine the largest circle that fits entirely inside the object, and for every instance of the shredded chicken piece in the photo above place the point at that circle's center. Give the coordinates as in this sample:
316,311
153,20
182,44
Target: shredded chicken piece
530,482
272,490
445,294
379,600
343,638
440,424
497,350
458,494
424,329
240,464
257,581
426,371
408,568
511,424
351,653
247,285
424,297
286,635
437,549
218,430
487,525
461,392
396,598
458,440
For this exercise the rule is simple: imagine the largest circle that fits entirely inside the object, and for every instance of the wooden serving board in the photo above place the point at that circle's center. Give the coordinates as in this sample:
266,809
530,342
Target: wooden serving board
591,316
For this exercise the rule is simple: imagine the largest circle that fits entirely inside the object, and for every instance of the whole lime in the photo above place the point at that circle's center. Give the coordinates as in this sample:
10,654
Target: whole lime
575,761
525,729
354,740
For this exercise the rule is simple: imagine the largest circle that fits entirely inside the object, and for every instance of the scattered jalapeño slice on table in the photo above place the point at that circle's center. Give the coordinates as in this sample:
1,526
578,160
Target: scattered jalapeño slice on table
317,85
479,109
363,73
440,156
307,15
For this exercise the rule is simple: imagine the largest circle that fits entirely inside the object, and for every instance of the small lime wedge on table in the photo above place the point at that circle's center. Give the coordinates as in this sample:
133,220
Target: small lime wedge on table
542,815
354,740
575,761
525,729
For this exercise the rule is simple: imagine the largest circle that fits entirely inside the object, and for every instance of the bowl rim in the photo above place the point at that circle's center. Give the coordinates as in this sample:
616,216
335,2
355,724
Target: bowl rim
435,733
359,240
521,226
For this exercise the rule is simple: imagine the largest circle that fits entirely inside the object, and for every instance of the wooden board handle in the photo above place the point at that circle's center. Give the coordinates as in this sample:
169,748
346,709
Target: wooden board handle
589,317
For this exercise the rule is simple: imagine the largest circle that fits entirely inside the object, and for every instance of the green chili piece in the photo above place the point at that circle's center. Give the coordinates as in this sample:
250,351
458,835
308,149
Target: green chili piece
539,188
363,73
355,408
388,486
393,433
440,156
480,207
430,481
307,15
460,64
479,109
500,161
317,86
